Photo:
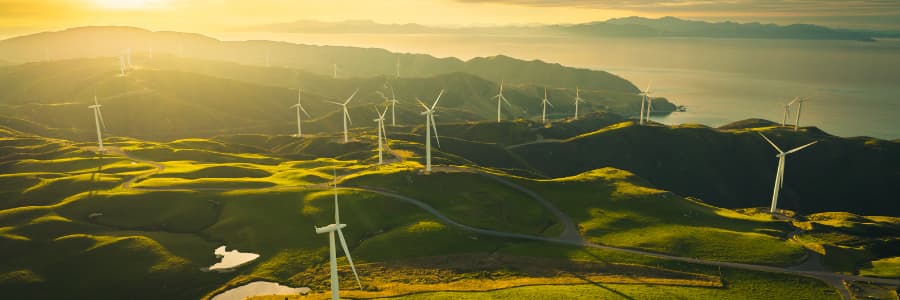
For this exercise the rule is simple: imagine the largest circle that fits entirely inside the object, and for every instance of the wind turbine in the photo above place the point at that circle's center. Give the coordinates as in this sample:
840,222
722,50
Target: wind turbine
398,66
98,121
381,133
577,100
334,70
779,175
544,103
429,126
331,229
299,108
346,113
787,111
393,101
122,65
645,94
150,52
500,97
799,107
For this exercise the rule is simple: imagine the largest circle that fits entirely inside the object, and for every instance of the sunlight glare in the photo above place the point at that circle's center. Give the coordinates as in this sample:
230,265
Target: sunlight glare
127,4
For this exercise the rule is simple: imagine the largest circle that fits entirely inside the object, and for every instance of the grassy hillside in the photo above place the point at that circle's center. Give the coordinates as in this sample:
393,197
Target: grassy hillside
736,167
150,243
169,98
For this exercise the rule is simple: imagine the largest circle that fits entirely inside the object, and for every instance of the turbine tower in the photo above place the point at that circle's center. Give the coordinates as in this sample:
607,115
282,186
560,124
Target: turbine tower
128,58
799,107
779,175
382,135
429,126
330,230
334,71
98,121
398,66
393,101
577,100
299,108
544,103
122,65
500,97
645,94
346,113
787,111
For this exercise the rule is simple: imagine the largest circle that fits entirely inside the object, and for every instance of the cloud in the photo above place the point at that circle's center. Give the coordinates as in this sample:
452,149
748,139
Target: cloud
741,7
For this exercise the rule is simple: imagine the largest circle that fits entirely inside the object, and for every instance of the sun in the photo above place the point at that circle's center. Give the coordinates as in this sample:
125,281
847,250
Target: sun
127,4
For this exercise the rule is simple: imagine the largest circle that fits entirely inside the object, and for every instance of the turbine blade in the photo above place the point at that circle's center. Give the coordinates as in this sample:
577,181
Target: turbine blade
801,147
422,103
434,127
303,110
648,87
504,100
351,97
771,143
438,99
100,115
781,163
334,102
383,132
349,259
347,114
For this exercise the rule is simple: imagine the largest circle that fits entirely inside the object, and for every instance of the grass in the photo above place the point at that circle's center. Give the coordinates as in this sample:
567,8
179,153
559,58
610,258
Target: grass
483,203
887,267
739,285
151,243
615,207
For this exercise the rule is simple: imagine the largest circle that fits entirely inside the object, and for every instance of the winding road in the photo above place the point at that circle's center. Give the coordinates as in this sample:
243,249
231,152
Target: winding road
569,236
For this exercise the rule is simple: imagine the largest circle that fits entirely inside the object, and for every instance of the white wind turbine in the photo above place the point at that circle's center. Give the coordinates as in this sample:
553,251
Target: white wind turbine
787,111
544,103
346,113
393,101
334,71
382,134
577,100
98,121
779,175
429,126
150,52
332,251
500,98
645,94
299,108
122,65
799,107
398,66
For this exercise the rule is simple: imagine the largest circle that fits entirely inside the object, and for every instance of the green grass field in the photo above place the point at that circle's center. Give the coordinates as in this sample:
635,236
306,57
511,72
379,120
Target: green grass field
74,219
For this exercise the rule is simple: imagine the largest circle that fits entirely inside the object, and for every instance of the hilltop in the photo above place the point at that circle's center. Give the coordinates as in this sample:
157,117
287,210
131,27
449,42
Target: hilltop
169,98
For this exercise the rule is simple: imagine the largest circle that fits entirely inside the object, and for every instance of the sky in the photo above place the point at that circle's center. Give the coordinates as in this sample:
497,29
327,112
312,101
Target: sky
27,16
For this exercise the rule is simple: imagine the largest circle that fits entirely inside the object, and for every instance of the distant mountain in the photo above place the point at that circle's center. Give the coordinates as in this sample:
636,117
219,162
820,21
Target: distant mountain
621,27
674,27
87,42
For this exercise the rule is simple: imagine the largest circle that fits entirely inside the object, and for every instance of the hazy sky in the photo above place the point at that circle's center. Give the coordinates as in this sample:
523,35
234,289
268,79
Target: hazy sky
24,16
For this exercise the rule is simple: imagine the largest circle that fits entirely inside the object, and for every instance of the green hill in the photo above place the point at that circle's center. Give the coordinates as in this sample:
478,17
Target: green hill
158,103
151,241
736,167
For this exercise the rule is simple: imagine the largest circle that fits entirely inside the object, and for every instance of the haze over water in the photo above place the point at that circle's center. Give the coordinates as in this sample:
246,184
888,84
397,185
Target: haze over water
852,86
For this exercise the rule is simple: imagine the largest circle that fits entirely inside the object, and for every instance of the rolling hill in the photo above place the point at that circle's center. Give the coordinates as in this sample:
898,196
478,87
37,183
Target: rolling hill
170,98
